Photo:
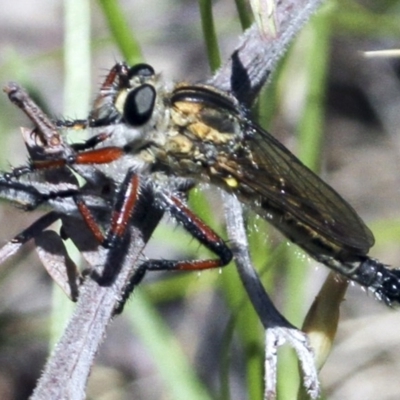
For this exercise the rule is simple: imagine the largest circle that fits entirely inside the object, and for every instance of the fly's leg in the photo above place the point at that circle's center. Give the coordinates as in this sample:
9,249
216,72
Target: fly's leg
104,155
116,235
126,200
127,197
116,79
124,207
91,142
199,230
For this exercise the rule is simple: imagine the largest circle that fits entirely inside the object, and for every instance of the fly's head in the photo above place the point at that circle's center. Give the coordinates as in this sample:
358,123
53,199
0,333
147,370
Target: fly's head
130,112
118,83
130,105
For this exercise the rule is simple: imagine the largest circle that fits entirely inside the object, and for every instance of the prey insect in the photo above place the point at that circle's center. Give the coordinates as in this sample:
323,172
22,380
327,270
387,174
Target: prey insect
151,135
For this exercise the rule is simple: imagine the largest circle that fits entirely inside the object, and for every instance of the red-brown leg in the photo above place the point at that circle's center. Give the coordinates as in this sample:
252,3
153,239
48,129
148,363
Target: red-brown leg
126,199
198,229
104,155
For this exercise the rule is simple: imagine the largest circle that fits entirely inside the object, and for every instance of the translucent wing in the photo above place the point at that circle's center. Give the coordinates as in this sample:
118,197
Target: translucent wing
251,163
277,179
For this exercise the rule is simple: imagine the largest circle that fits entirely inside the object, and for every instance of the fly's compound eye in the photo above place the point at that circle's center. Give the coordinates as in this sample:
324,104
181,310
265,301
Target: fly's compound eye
139,105
141,70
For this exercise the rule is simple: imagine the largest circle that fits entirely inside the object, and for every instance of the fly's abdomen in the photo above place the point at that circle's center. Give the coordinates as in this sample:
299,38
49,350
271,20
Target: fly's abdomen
383,281
313,239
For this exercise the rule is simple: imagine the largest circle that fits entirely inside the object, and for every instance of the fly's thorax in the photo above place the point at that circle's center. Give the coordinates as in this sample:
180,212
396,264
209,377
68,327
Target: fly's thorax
179,145
203,123
196,136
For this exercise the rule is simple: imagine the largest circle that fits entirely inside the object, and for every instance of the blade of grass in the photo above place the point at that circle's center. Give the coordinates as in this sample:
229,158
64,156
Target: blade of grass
122,34
357,19
77,57
244,14
210,37
177,374
76,100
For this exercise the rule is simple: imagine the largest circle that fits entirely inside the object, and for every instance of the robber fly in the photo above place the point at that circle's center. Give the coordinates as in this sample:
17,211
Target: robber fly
146,132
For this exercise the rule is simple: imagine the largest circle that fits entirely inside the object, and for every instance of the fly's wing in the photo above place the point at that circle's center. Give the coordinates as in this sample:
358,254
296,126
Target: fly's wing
267,176
276,177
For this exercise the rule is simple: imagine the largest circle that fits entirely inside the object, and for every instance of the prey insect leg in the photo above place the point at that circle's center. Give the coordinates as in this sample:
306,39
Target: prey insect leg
45,130
35,229
28,196
38,226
